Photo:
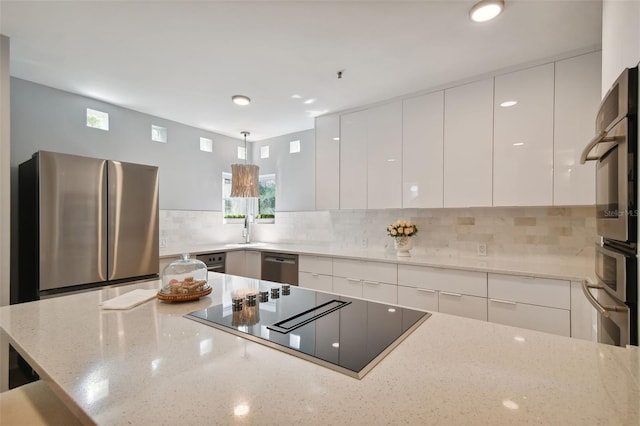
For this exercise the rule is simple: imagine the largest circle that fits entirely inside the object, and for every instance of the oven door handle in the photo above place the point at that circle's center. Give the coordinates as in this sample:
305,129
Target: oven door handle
598,139
602,309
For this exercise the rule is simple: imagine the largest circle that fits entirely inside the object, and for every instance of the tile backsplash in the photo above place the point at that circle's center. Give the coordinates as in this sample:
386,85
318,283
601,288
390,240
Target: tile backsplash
506,231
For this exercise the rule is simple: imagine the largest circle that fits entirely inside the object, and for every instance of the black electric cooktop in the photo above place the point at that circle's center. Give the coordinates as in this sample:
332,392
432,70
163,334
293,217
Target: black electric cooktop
345,334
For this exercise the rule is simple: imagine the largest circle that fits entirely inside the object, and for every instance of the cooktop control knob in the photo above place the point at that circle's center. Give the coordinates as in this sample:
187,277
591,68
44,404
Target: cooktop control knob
286,289
251,299
236,304
275,293
264,296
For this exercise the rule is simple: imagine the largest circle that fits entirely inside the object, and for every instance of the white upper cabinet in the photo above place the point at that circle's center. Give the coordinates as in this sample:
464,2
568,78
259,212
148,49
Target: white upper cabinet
468,140
328,162
523,138
384,156
577,98
422,150
353,160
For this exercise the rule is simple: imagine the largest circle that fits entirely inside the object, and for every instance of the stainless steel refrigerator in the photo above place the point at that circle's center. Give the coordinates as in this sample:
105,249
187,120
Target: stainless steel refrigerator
84,222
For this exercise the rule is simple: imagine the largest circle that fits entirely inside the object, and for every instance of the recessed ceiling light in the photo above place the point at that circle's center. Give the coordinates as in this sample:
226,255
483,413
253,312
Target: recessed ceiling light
241,100
486,10
507,104
337,138
296,96
309,101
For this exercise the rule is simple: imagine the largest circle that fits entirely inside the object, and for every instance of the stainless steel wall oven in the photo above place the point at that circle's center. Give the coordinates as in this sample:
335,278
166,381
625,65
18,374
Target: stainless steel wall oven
614,148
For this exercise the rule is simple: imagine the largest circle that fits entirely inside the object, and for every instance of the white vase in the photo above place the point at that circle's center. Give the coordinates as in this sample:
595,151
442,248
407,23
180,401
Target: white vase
402,246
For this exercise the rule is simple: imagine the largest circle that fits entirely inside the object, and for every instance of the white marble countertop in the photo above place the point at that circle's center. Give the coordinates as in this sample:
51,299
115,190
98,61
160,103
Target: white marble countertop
151,366
555,267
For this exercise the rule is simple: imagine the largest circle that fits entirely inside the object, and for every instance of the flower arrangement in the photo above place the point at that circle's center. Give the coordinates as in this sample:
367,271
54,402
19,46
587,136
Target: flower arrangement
402,228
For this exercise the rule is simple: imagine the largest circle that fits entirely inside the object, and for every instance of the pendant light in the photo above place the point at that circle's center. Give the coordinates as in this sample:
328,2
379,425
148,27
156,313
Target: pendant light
244,177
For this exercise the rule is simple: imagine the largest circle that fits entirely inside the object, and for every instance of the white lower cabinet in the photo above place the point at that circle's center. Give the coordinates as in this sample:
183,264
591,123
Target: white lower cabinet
463,305
541,318
315,281
235,263
380,292
418,298
347,286
535,303
253,264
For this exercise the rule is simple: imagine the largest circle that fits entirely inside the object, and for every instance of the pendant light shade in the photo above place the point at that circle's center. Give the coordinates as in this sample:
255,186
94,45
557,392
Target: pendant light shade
244,177
244,180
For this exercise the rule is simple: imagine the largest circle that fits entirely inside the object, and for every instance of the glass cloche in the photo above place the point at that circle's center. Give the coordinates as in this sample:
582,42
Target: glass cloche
184,277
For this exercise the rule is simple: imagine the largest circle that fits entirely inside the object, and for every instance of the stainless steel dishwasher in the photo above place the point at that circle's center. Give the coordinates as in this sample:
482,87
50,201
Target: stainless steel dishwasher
280,268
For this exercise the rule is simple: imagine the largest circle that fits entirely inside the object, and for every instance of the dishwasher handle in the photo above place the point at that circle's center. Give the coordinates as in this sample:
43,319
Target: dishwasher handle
275,259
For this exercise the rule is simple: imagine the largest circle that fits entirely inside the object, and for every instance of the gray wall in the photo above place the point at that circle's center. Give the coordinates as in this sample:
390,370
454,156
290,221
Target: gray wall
5,202
43,118
295,173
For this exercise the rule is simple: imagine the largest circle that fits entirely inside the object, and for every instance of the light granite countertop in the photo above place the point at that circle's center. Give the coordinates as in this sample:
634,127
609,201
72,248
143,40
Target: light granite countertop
556,267
151,366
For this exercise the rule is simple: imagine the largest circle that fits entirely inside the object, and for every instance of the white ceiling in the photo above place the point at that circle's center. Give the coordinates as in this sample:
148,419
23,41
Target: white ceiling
184,60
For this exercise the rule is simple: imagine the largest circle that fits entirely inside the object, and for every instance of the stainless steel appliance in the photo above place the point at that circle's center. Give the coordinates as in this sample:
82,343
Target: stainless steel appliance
347,335
280,267
215,261
84,222
615,150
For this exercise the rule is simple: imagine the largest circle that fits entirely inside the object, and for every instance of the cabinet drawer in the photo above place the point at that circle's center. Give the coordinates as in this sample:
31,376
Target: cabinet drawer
315,281
541,318
418,298
347,287
533,291
316,264
463,305
363,270
386,293
464,282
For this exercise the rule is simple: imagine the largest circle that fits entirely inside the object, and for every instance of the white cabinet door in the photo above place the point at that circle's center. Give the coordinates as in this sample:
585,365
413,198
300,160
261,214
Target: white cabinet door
380,292
534,291
253,264
584,317
384,156
328,162
577,97
365,270
315,281
462,305
347,286
235,263
541,318
422,150
471,283
315,264
523,138
418,298
468,144
353,160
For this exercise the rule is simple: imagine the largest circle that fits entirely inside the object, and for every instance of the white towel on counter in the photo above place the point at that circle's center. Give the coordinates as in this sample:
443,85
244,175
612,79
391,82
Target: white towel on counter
130,299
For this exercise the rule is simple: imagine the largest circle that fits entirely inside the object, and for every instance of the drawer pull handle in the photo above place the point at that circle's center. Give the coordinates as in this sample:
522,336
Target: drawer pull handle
353,280
506,302
424,290
451,294
371,282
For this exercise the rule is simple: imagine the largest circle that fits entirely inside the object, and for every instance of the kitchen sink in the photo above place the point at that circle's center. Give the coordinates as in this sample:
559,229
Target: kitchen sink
245,244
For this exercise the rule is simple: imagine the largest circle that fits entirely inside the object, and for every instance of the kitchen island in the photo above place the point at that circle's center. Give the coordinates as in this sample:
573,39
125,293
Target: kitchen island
151,365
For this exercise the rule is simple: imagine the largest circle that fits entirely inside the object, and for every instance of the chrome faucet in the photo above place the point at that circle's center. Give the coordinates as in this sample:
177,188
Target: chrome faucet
246,231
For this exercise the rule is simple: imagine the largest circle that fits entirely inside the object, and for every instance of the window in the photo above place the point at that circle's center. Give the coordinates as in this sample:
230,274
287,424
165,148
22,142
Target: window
237,208
206,145
97,119
294,146
158,134
242,153
264,151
